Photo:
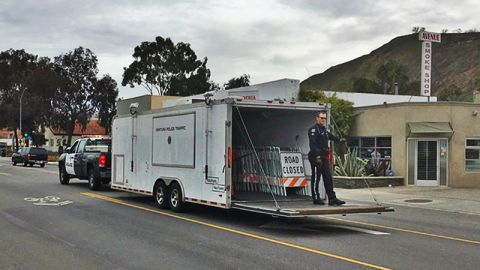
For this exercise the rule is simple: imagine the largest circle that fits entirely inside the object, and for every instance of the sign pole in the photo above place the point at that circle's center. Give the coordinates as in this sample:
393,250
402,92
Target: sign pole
426,65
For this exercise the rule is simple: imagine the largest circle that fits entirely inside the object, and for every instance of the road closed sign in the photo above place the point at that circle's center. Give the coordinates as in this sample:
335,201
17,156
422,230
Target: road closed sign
292,164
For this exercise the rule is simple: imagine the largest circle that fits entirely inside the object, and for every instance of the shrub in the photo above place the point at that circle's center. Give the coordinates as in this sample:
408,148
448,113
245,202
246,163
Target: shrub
350,165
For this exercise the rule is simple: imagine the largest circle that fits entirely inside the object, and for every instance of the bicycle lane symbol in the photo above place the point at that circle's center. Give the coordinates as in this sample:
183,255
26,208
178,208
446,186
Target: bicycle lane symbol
48,201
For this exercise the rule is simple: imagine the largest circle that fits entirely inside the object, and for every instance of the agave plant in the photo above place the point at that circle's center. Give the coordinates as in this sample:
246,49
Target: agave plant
350,165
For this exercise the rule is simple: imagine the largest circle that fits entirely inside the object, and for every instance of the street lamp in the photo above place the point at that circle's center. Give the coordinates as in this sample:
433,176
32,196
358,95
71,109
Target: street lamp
21,96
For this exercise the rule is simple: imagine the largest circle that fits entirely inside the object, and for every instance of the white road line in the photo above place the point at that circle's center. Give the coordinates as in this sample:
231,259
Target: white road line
4,174
358,229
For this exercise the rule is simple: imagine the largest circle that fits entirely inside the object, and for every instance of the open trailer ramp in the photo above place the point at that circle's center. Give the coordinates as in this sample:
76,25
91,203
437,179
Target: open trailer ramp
299,208
299,205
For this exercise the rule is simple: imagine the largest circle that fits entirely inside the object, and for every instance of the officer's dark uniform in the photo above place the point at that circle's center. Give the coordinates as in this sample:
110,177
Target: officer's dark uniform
319,136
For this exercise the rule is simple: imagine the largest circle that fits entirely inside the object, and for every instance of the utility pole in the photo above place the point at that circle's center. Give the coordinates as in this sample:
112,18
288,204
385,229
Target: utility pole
21,96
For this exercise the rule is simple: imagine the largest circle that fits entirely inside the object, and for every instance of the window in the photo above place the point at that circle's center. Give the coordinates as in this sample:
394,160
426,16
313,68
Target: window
472,155
372,147
376,149
81,146
73,149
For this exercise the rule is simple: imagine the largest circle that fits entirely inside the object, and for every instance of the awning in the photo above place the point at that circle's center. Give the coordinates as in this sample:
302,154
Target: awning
430,127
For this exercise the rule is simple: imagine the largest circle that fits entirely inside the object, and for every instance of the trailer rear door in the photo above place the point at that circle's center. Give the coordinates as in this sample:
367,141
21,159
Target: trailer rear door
263,134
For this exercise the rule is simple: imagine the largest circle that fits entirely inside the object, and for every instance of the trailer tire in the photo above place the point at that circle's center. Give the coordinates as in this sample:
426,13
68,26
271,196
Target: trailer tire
93,181
63,175
160,195
175,198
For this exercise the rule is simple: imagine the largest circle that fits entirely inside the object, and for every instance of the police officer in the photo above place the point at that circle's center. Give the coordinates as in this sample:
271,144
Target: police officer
318,136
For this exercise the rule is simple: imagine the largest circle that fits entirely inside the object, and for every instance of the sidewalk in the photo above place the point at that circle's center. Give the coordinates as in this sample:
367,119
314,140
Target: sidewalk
457,200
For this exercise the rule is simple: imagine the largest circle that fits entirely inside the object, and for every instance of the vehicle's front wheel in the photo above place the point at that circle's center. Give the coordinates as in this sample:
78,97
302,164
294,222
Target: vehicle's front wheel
176,202
14,163
42,165
93,181
63,175
160,195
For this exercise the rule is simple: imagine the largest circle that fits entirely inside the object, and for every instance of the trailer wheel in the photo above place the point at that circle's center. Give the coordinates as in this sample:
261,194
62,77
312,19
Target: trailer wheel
64,177
160,194
176,203
93,181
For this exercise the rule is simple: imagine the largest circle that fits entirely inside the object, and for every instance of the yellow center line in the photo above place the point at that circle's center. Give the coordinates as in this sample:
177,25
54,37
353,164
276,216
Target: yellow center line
259,237
407,230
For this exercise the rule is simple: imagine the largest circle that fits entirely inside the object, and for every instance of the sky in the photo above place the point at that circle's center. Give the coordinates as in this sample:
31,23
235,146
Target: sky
267,39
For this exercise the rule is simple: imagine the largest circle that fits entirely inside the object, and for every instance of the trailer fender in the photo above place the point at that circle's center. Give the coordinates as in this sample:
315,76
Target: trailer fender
169,181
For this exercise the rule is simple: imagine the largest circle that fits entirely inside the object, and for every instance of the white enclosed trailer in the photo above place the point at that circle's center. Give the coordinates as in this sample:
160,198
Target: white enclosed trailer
227,153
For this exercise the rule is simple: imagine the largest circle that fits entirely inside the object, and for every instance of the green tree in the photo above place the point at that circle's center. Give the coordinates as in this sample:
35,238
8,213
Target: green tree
165,67
241,81
104,99
342,110
363,85
477,84
72,103
341,115
411,89
390,73
21,75
452,93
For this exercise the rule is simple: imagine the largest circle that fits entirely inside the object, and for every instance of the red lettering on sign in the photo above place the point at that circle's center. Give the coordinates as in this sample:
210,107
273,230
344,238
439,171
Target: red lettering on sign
427,67
431,36
428,50
250,97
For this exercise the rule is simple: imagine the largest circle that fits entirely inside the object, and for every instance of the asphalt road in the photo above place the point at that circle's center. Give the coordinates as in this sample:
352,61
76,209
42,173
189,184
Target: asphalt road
75,228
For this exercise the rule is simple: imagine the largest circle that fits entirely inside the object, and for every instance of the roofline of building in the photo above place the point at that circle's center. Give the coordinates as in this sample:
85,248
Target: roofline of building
437,103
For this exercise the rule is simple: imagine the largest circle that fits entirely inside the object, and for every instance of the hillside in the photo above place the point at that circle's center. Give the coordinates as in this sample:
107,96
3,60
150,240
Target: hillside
455,61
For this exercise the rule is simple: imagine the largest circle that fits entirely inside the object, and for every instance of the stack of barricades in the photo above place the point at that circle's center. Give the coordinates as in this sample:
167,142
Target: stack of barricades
249,176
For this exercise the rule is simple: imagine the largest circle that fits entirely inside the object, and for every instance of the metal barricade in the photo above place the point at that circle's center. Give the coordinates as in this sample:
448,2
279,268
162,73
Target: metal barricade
248,176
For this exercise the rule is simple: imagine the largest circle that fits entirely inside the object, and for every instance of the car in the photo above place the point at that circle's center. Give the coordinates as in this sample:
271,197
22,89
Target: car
30,156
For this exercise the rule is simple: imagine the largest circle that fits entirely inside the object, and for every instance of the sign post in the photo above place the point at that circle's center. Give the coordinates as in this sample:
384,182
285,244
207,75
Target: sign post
426,70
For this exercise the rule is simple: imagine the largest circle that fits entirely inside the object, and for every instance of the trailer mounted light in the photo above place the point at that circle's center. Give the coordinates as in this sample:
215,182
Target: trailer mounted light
229,157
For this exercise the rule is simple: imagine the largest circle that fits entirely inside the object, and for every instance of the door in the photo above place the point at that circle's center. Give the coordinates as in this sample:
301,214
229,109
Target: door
427,163
78,159
214,188
69,159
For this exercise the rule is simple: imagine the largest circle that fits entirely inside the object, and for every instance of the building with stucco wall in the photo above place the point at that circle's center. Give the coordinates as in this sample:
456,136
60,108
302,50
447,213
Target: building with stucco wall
427,143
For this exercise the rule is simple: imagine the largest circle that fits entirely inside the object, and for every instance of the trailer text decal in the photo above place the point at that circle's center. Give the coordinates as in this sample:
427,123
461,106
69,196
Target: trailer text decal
292,164
171,128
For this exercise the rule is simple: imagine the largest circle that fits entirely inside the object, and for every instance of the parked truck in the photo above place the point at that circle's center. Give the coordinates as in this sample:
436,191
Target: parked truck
87,159
227,152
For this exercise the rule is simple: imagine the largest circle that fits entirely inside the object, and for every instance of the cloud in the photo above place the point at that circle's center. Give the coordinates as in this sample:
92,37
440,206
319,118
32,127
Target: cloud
267,39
